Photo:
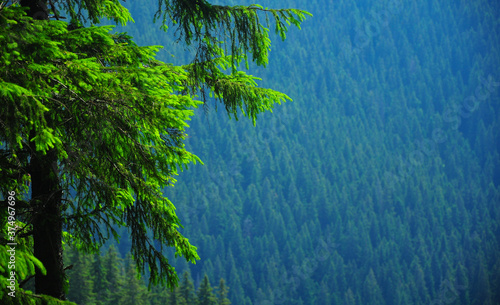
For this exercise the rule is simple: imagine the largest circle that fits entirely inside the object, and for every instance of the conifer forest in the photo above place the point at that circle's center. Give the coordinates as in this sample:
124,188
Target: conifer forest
216,152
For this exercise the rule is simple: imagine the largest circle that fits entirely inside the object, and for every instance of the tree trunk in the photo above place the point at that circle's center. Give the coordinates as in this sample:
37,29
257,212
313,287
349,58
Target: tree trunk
47,224
37,9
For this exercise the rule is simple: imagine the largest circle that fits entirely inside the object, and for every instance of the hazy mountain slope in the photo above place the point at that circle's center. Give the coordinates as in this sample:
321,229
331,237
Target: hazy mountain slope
372,187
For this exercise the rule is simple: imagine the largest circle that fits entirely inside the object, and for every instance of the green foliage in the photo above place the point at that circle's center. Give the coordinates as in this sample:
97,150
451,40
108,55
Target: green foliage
136,292
223,36
312,177
82,87
122,285
212,25
114,281
205,294
318,205
186,288
105,120
22,261
27,298
222,293
82,280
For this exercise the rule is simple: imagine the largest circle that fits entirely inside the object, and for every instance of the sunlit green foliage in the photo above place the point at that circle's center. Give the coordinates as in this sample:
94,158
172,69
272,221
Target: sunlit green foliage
116,120
105,120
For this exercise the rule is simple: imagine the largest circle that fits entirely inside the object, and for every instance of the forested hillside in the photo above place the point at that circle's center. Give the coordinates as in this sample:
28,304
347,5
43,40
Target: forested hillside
109,279
378,184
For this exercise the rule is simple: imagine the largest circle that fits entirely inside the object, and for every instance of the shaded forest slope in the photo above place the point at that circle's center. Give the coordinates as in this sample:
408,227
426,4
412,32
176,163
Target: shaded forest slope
378,184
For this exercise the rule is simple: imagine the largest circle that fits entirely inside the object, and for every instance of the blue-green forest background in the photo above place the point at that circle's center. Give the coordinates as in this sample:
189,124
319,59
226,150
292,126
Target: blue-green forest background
378,184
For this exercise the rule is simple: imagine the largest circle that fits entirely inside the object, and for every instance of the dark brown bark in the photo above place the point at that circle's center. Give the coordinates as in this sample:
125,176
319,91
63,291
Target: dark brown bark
47,224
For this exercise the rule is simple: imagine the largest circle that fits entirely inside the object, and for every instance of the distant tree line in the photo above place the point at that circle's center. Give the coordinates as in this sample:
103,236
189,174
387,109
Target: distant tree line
96,279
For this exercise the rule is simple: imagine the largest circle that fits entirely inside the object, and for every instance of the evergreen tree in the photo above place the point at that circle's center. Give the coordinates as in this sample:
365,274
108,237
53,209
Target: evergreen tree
371,289
99,273
81,284
205,296
349,298
222,293
186,288
92,112
159,295
133,291
481,287
176,298
114,276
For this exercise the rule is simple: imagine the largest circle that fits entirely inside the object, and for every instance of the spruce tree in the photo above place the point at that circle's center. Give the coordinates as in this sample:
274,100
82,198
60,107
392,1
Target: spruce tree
81,284
186,288
222,293
114,276
371,290
205,294
134,291
99,272
158,295
89,111
176,298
